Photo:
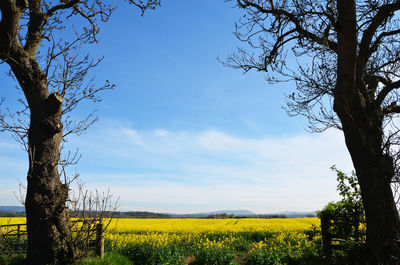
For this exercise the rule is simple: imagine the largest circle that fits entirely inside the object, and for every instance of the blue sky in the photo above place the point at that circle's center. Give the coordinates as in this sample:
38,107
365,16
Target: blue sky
182,133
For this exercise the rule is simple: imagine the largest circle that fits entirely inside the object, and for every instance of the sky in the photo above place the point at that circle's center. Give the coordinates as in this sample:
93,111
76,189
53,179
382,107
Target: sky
181,133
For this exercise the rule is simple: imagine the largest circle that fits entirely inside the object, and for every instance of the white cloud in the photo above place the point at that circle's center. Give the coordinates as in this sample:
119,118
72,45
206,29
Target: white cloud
188,171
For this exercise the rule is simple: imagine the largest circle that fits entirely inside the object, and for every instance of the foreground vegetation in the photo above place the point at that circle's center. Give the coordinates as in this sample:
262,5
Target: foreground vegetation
208,241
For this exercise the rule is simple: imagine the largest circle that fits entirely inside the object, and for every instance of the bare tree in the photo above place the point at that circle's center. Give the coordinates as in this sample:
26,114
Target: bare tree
347,77
89,210
41,42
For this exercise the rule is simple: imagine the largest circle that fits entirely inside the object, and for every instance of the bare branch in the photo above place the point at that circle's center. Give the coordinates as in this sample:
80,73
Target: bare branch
64,5
295,19
393,108
384,12
386,90
144,5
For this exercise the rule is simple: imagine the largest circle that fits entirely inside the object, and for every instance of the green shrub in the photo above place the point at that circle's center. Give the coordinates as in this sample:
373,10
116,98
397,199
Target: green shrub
347,213
344,218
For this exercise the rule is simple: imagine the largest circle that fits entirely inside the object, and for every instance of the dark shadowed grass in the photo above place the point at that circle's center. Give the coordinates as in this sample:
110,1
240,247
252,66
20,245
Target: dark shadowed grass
17,259
110,258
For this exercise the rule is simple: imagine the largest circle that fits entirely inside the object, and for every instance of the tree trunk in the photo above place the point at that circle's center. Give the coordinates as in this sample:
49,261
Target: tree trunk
49,235
362,123
381,213
375,171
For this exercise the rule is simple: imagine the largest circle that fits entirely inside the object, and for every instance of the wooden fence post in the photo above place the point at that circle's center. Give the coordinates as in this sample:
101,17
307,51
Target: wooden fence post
100,239
326,235
19,234
19,237
89,230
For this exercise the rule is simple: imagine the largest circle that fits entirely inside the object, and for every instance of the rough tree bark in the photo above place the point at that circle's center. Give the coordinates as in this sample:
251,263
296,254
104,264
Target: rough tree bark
47,217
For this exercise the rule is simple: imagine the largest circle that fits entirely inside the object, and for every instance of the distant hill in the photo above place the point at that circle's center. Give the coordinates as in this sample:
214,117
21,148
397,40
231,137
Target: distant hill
238,213
235,212
140,215
289,214
246,213
15,209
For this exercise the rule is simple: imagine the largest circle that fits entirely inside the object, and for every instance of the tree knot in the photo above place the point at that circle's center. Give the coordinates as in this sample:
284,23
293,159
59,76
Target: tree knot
53,124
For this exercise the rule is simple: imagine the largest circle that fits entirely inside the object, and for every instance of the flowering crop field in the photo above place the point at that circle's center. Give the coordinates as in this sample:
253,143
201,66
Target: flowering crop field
213,241
12,220
214,225
216,241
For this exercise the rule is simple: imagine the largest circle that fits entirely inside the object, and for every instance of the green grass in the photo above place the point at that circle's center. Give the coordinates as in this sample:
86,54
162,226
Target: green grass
16,259
111,258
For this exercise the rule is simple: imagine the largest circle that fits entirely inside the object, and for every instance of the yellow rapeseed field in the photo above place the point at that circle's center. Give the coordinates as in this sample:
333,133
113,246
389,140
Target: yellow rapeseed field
200,225
213,225
164,232
12,220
